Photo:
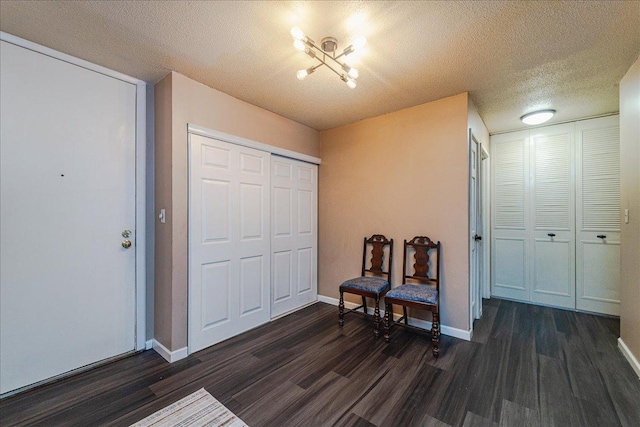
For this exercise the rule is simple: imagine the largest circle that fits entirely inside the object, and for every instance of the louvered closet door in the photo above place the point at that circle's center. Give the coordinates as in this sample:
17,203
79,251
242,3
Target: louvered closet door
553,216
510,248
294,237
598,215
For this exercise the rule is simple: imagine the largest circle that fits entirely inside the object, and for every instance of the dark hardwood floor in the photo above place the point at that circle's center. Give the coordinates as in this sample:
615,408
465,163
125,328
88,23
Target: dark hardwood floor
526,366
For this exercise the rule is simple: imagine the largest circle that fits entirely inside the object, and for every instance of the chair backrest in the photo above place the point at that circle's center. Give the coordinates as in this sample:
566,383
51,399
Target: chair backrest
422,246
377,242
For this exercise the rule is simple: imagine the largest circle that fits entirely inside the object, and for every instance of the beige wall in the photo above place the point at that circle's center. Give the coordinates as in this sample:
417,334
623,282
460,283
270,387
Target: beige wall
630,199
195,103
163,250
401,174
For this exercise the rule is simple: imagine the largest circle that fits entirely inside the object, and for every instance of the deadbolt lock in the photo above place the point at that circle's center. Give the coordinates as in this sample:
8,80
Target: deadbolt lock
126,234
126,244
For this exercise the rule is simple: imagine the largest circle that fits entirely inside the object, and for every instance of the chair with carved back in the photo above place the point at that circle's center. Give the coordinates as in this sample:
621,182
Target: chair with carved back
420,289
373,282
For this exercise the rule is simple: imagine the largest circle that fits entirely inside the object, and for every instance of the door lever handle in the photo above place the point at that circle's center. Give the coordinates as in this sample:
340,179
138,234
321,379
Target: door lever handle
476,238
601,236
551,234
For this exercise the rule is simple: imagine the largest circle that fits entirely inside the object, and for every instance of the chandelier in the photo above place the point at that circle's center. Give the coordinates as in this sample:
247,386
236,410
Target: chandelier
326,54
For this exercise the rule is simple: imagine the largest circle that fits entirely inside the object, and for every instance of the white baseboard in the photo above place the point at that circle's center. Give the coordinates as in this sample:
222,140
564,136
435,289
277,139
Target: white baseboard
148,345
629,356
424,324
170,356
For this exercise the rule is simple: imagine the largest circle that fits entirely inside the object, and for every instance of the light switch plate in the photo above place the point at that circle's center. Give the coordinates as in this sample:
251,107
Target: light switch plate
162,216
626,216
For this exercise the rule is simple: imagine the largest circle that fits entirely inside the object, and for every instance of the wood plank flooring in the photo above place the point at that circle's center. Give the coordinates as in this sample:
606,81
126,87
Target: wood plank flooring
526,366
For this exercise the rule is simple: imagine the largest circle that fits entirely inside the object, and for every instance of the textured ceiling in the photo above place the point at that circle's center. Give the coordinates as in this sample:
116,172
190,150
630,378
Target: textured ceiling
513,57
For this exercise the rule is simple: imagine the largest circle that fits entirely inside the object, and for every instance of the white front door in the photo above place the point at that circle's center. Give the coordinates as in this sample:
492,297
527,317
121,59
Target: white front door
229,240
294,237
67,148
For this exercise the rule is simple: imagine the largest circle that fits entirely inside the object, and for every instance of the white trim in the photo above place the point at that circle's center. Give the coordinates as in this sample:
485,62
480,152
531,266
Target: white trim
486,226
67,58
221,136
141,151
148,345
420,323
170,356
293,310
629,356
141,220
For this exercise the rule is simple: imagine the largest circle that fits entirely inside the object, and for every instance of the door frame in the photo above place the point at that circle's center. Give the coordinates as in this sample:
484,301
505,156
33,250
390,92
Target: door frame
485,279
140,164
475,286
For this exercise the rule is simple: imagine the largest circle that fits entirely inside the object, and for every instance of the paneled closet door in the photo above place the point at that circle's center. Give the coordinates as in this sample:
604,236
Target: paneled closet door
229,240
510,240
553,216
598,215
294,237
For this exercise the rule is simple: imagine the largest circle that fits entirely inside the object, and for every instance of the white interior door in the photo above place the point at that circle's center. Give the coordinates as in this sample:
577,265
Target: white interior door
598,215
294,237
553,216
229,240
67,148
474,221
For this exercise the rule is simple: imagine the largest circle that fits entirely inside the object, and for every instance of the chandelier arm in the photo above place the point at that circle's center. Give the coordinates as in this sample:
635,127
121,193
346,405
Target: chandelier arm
329,67
336,60
341,55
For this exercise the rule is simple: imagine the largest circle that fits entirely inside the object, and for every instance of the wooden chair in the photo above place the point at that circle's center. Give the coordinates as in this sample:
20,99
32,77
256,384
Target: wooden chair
374,285
418,290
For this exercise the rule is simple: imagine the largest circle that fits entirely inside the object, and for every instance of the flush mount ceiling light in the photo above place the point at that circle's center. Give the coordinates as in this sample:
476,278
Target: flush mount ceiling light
537,117
326,54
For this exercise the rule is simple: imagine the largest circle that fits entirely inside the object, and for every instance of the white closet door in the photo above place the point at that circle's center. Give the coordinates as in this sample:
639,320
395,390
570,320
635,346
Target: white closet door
229,240
294,195
510,248
553,216
68,191
598,219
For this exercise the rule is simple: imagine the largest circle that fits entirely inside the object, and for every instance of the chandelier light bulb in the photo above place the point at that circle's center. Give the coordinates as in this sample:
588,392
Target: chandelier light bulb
301,74
299,45
359,43
352,72
297,33
351,83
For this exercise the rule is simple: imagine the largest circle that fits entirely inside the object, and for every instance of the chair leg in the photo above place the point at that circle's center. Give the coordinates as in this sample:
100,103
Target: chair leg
376,319
387,321
364,305
404,312
341,309
435,333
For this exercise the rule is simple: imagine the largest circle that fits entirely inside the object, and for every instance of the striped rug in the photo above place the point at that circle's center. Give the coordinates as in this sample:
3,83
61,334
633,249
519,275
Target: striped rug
196,410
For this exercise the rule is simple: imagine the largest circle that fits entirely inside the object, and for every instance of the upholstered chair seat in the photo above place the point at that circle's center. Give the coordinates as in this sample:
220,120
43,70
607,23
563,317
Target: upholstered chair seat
367,283
418,293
